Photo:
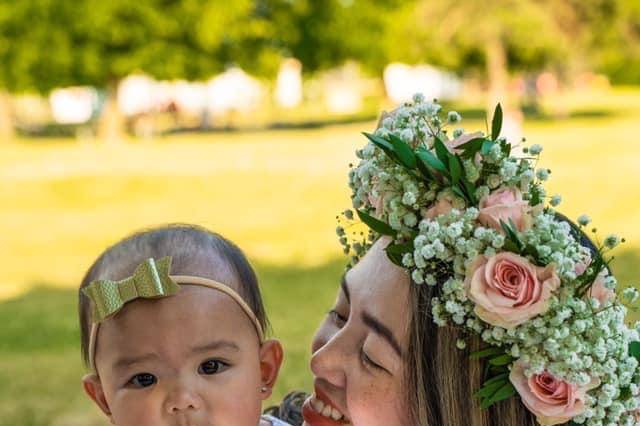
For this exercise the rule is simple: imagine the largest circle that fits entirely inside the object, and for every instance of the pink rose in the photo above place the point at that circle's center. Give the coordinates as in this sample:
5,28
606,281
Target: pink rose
508,290
461,140
598,290
582,267
442,206
553,401
503,205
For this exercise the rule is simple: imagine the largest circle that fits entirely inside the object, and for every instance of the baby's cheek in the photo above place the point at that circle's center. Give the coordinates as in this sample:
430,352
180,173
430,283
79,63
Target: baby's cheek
236,399
141,410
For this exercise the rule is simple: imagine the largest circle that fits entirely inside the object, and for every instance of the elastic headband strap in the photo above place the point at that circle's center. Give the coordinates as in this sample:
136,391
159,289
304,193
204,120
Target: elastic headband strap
188,280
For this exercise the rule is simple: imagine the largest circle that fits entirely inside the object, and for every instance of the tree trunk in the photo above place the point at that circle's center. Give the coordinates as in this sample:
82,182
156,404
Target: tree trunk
497,73
6,118
111,121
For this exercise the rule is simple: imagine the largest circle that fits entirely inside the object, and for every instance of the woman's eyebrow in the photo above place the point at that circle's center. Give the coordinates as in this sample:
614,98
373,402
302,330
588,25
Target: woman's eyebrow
382,330
345,288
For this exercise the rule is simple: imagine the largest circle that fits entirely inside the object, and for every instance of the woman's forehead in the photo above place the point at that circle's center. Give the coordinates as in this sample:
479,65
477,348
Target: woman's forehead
381,289
375,272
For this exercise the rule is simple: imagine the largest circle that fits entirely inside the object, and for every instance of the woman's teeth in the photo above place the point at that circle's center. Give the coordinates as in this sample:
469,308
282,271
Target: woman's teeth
325,409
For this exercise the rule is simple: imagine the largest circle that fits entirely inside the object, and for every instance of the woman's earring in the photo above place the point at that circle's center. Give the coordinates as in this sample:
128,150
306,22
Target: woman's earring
264,389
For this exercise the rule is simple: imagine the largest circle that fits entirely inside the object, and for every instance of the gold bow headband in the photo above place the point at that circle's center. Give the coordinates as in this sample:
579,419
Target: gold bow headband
150,280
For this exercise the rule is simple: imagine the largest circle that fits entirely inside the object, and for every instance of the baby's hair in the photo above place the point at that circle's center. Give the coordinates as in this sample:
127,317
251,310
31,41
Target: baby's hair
194,251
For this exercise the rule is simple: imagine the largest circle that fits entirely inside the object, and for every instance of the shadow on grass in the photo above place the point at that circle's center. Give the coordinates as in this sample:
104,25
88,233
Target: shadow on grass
40,355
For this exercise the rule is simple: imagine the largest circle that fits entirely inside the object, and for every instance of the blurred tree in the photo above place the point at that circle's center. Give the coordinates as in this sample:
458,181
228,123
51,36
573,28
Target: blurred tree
51,43
492,39
324,34
608,33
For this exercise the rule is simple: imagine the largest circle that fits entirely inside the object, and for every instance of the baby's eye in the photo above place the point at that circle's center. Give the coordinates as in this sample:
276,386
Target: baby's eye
143,380
212,366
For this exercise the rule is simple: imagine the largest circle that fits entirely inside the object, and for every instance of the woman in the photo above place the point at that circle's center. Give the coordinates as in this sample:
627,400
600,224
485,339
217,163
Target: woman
468,303
379,359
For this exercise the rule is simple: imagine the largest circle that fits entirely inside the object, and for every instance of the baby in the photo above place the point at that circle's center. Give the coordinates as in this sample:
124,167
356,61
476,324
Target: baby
172,326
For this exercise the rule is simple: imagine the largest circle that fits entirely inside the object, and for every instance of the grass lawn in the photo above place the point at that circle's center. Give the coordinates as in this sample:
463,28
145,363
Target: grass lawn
275,193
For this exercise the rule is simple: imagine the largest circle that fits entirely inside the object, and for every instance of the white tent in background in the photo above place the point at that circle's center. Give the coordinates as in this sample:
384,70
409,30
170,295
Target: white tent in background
289,84
190,97
73,105
402,81
137,94
234,90
344,88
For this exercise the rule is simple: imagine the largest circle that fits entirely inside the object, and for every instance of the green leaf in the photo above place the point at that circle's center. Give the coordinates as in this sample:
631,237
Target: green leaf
404,152
441,150
455,167
375,224
471,191
395,258
489,389
625,393
486,353
498,378
531,250
495,369
456,190
433,162
400,249
634,350
512,235
383,144
486,147
423,167
496,123
506,149
511,246
473,145
506,391
501,360
535,196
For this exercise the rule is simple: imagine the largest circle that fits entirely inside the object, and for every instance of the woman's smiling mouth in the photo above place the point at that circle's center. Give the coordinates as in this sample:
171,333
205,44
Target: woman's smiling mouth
319,411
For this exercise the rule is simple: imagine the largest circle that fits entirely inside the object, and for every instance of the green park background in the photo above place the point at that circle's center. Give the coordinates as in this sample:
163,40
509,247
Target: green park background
273,189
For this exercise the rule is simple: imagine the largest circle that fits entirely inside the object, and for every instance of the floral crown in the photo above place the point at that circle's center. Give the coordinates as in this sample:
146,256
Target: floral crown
470,216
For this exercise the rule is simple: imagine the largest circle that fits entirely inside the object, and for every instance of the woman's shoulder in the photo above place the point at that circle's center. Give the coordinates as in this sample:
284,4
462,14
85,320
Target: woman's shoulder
289,412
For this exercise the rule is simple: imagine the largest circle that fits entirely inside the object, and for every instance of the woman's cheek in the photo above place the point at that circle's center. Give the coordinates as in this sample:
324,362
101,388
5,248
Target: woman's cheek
380,393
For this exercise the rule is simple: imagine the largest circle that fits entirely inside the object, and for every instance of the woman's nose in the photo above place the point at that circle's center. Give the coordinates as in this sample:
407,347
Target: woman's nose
181,398
330,361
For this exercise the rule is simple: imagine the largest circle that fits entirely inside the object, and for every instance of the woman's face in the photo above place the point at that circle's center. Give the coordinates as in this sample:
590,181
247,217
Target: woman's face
358,351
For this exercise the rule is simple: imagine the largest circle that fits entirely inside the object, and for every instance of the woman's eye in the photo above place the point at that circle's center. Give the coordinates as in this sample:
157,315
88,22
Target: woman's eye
368,362
143,380
212,366
338,319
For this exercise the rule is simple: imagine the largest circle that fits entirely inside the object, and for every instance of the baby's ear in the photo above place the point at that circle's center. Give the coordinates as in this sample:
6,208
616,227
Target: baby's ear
93,387
271,356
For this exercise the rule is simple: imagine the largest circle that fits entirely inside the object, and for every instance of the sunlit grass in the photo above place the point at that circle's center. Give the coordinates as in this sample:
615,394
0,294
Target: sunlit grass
275,193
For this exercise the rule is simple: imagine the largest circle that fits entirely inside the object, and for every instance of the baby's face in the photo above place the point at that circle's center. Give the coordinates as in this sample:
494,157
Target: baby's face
192,359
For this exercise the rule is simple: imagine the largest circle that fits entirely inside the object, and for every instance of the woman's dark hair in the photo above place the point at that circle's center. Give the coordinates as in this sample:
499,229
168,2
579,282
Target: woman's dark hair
194,251
442,379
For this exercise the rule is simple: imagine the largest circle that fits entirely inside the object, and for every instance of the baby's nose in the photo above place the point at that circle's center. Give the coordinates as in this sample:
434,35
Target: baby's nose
182,399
